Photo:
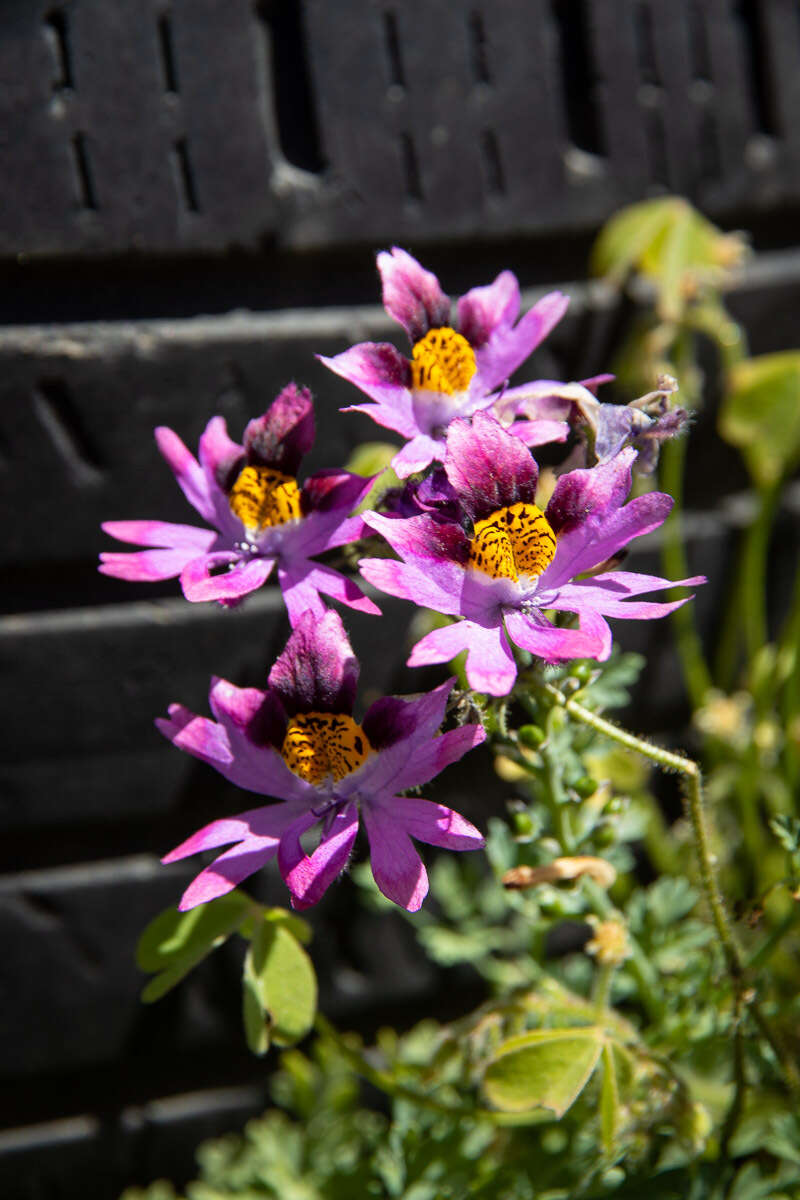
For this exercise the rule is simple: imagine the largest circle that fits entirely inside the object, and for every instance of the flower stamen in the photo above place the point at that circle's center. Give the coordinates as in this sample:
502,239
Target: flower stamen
317,745
261,497
443,361
513,541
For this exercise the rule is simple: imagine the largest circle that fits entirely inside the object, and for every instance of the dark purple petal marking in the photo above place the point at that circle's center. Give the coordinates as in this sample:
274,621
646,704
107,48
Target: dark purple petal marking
317,671
284,434
258,715
488,467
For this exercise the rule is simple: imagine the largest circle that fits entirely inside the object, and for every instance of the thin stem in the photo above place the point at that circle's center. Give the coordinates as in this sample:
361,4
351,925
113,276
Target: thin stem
601,992
667,760
676,566
639,964
754,569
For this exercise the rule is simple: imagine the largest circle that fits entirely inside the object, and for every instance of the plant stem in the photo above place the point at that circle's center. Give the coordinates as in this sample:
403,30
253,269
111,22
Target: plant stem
669,761
673,555
639,964
601,992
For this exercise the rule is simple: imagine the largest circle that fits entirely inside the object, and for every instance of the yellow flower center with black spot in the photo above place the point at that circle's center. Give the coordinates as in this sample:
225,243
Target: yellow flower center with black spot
513,541
320,744
262,496
443,361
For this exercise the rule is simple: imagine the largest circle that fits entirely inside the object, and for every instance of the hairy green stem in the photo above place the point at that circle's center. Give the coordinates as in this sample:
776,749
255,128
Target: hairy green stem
669,761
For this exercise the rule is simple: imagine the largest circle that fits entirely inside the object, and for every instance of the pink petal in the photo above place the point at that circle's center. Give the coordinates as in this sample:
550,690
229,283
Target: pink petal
435,824
484,309
540,433
317,670
490,664
411,294
216,449
203,738
160,533
507,347
187,471
396,865
430,758
147,566
417,454
532,632
424,537
243,577
308,877
227,872
428,584
257,823
487,466
381,371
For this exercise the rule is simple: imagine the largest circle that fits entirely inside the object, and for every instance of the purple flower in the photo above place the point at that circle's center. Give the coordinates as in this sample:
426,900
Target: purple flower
507,563
606,428
298,741
454,371
260,515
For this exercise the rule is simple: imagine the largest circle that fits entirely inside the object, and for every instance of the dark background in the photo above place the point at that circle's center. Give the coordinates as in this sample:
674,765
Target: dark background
191,196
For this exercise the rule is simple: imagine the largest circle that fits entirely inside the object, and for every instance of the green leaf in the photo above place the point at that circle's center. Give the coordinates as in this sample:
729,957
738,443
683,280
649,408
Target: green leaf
280,988
166,980
371,457
669,242
623,240
298,928
545,1068
175,942
761,414
609,1101
256,1024
174,936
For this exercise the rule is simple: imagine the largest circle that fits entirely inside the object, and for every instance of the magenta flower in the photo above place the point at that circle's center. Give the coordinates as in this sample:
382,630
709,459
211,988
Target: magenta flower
453,371
298,741
260,514
507,563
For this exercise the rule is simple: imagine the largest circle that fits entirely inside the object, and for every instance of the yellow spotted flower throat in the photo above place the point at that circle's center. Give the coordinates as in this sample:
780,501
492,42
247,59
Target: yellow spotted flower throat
262,496
442,361
317,745
516,540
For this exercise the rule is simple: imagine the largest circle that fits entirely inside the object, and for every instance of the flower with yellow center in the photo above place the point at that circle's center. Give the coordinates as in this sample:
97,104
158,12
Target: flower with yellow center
460,361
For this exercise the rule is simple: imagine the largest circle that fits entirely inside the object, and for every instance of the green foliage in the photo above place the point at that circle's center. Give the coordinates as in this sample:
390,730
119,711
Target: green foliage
670,243
174,942
279,988
279,984
761,414
547,1068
